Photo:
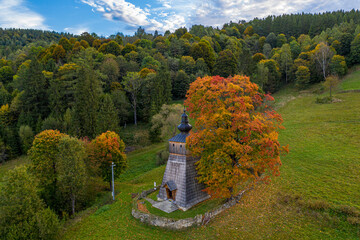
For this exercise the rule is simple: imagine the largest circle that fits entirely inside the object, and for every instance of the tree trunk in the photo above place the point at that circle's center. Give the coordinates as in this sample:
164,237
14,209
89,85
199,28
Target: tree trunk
134,106
135,119
73,204
330,92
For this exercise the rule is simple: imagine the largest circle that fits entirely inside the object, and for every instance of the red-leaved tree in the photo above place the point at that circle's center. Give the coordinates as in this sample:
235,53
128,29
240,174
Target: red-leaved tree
235,134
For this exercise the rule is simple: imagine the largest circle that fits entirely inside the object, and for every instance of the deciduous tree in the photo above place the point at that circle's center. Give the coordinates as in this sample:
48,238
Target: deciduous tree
71,169
235,133
323,55
331,83
22,213
302,77
43,157
132,84
105,149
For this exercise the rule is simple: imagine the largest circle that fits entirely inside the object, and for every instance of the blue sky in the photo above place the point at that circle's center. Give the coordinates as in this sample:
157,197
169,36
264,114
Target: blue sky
106,17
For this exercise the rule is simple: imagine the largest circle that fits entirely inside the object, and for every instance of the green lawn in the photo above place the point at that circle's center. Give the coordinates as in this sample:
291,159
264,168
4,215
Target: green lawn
324,140
351,81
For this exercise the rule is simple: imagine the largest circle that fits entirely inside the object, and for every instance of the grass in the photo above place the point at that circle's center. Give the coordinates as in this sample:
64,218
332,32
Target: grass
351,81
141,161
324,140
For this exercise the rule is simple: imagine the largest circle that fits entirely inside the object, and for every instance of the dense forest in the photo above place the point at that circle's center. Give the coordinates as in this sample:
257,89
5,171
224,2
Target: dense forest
84,85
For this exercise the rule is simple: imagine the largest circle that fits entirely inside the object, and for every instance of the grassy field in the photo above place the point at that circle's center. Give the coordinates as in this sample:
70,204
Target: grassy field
351,81
317,195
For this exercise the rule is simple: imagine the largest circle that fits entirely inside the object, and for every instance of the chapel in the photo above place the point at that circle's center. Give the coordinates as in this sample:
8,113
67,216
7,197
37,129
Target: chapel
179,183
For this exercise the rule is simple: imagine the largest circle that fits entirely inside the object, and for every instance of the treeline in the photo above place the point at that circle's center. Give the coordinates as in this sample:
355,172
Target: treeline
86,85
13,39
303,23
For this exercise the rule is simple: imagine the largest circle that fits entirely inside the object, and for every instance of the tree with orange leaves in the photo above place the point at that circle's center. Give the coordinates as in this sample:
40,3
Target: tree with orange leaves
103,150
235,134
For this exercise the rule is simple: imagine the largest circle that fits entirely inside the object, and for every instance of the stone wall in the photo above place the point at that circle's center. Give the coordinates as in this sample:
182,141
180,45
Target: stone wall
174,224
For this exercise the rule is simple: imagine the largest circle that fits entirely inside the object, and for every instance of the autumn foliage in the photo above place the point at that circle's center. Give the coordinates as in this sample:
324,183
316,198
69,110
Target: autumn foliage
235,134
104,149
43,155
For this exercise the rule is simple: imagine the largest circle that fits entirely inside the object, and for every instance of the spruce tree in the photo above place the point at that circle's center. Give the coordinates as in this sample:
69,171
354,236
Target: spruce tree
87,95
35,98
107,118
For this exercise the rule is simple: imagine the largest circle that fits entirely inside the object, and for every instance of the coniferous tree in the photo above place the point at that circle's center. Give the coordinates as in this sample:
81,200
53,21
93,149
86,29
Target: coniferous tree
107,118
35,98
87,96
181,84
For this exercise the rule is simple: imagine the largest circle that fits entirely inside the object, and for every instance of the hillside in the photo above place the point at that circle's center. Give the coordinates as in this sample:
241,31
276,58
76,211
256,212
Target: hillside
315,197
15,39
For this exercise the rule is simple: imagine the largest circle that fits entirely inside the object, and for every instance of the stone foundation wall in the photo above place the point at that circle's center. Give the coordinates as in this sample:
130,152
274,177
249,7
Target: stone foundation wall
174,224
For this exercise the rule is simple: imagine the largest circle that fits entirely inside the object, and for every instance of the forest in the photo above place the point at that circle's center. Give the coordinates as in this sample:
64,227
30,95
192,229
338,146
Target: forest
86,85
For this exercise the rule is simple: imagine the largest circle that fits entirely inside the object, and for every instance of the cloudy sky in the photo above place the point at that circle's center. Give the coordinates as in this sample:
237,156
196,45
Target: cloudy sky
106,17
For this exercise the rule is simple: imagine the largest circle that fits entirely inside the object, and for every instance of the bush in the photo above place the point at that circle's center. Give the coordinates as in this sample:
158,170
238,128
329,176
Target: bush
47,223
102,209
318,205
352,211
162,157
22,212
323,100
141,138
353,220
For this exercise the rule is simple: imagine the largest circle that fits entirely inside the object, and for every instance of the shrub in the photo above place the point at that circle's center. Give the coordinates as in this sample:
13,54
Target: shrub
47,223
352,211
353,220
22,212
323,100
318,205
142,138
162,157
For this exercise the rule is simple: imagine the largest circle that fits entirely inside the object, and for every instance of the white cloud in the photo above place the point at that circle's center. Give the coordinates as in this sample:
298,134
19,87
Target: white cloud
14,14
171,14
77,30
120,10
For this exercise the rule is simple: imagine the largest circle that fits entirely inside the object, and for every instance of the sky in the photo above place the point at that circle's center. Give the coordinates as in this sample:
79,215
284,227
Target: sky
106,17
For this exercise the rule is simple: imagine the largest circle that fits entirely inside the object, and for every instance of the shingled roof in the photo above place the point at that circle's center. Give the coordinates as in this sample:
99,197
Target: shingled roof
171,185
181,137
